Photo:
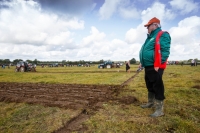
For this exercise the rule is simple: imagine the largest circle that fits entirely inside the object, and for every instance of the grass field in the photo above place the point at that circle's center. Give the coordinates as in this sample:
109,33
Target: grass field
181,107
71,75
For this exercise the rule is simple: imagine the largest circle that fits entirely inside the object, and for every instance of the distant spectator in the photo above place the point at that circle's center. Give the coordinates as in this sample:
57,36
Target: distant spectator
195,62
127,66
182,63
192,62
9,66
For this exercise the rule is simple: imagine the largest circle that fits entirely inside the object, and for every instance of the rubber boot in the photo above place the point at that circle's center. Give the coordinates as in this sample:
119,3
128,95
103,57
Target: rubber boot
159,109
151,97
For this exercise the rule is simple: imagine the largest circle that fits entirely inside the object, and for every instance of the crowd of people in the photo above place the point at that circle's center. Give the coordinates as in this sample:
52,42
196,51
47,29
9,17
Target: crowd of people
3,66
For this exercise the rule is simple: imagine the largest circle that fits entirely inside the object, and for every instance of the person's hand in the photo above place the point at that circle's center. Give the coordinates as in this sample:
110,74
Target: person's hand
156,69
140,65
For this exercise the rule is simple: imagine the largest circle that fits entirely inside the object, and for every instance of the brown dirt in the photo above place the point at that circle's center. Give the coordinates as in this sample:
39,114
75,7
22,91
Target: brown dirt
196,86
72,96
89,98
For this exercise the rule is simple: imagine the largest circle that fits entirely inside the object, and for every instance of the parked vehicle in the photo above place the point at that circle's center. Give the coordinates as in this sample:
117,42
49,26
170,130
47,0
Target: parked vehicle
106,64
23,66
53,65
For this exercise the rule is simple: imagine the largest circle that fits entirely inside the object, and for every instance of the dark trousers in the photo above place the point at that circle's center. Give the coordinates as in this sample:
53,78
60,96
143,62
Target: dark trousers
154,82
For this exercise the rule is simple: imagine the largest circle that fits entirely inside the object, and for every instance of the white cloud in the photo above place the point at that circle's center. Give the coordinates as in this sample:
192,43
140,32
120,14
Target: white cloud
108,8
185,6
95,37
97,47
158,10
29,33
186,30
124,7
129,12
137,35
185,38
24,23
127,9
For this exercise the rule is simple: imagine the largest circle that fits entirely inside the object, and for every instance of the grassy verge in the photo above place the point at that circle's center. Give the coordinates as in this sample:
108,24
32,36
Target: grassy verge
181,107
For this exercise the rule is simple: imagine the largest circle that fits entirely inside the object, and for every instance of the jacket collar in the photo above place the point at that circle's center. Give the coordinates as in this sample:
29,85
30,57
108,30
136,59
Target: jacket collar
154,32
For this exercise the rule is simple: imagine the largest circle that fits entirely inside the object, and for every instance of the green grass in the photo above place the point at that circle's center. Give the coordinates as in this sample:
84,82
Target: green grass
70,75
181,106
25,118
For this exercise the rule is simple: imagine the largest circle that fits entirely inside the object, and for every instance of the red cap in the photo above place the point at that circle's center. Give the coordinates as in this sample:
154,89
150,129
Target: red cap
153,20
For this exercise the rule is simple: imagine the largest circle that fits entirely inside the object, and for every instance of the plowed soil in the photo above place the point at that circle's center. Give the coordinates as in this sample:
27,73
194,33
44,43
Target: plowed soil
61,95
74,96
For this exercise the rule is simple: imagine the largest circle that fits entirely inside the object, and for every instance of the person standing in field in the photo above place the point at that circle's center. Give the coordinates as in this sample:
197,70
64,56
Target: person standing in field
182,63
154,64
192,62
127,66
195,62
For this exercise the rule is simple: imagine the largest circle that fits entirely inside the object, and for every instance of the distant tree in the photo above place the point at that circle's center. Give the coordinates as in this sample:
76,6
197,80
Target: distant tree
101,61
81,61
63,61
6,61
133,61
29,61
190,60
36,61
75,63
16,60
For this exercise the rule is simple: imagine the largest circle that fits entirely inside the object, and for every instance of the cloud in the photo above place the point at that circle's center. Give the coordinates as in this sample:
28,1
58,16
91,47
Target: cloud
94,38
185,6
24,23
186,30
125,9
129,12
138,35
185,38
45,30
108,8
96,47
67,7
158,10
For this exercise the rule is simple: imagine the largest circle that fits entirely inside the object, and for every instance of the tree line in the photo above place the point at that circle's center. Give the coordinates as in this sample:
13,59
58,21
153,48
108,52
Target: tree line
7,61
37,62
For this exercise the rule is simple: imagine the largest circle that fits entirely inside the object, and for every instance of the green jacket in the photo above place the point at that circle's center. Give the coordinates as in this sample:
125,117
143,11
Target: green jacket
147,50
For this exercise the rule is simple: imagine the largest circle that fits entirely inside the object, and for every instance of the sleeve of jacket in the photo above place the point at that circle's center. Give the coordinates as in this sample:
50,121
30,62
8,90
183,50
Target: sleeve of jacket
165,41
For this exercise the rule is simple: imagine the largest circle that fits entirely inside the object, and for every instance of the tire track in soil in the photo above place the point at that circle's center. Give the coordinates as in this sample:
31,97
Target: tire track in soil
75,96
129,80
75,124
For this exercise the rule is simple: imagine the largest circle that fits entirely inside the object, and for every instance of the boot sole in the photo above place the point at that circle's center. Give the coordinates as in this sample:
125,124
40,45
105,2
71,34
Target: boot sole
156,116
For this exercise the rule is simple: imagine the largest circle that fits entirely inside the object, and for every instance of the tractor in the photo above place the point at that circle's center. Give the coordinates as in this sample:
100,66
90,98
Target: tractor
23,66
106,64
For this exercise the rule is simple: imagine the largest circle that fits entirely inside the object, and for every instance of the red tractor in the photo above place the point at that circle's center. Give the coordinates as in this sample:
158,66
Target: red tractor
23,66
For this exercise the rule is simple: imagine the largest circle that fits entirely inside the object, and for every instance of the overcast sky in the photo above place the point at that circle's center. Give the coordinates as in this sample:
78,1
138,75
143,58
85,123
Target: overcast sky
91,30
